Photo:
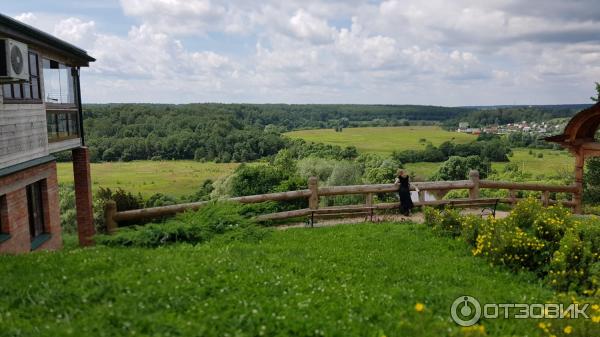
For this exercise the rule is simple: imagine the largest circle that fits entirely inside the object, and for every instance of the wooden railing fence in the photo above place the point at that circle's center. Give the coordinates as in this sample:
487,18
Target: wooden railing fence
314,193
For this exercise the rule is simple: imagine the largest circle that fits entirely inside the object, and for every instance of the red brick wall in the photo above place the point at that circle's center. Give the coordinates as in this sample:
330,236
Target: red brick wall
83,196
17,218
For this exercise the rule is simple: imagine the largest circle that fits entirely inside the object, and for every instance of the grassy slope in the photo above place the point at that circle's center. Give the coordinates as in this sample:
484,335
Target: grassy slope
382,140
355,280
147,177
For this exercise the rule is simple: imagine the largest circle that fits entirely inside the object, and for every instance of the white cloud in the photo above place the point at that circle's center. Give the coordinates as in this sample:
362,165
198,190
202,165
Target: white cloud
306,26
75,30
392,51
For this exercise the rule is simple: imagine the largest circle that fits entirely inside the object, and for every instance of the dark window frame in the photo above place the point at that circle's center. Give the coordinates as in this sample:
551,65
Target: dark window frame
36,209
4,228
71,125
34,77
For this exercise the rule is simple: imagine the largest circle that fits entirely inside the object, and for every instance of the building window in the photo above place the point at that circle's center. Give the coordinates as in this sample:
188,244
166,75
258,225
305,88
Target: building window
59,83
62,125
4,230
28,91
35,208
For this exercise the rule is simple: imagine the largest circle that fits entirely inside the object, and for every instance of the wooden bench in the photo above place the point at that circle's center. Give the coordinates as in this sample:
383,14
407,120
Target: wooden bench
369,211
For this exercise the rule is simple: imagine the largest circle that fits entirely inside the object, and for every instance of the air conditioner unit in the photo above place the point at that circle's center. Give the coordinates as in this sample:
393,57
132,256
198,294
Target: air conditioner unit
14,61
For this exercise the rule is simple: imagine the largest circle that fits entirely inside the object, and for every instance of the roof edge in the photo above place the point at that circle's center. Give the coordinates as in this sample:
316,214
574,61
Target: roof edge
39,35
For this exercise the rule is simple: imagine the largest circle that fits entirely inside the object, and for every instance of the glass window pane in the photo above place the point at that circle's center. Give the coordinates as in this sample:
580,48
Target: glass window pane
35,209
26,90
35,88
62,125
33,69
16,90
52,126
7,91
58,83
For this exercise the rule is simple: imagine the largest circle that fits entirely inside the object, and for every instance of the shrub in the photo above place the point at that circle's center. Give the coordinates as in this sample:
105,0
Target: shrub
447,222
546,240
191,227
68,213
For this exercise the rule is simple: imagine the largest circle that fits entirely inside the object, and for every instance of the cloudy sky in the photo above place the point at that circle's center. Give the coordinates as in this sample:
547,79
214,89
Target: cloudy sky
460,52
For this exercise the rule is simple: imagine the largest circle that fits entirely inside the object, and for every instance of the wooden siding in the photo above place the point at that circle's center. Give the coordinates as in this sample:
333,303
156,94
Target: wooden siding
22,133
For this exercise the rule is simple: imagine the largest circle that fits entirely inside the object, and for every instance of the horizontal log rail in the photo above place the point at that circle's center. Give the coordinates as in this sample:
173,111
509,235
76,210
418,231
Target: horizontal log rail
314,193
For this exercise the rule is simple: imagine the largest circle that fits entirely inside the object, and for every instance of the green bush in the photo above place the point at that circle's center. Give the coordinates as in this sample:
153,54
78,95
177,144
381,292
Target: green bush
191,227
446,222
548,241
68,213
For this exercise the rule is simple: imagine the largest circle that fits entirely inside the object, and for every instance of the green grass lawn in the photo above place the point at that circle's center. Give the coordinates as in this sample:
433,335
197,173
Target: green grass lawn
174,178
353,280
383,140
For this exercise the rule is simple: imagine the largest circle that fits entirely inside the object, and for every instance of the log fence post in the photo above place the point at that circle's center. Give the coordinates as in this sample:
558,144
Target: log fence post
474,191
313,200
512,195
545,198
110,210
369,200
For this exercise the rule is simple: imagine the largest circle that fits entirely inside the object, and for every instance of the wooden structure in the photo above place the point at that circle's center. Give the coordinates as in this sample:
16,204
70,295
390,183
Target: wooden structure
579,137
314,193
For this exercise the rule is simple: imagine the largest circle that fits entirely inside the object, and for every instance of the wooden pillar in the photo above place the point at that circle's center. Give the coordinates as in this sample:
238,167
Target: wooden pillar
110,209
313,186
578,195
369,200
474,191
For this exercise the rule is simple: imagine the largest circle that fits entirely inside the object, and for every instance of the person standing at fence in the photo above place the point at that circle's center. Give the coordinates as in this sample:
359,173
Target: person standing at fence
403,181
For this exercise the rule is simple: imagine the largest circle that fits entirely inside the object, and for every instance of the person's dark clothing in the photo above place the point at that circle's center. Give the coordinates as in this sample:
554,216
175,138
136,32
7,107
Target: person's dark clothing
406,203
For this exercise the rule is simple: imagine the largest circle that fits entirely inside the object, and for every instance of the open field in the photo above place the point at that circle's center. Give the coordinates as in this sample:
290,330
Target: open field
183,177
352,280
383,140
552,163
174,178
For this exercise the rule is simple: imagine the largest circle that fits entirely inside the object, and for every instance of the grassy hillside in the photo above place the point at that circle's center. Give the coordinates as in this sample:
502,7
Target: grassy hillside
174,178
382,140
355,280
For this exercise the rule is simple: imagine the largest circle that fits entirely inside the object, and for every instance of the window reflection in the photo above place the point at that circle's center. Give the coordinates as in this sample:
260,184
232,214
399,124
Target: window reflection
59,85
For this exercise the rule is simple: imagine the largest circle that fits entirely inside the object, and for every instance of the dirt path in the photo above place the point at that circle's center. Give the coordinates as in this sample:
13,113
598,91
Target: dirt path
415,218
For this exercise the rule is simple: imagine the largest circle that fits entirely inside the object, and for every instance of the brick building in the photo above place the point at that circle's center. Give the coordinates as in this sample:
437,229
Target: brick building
40,114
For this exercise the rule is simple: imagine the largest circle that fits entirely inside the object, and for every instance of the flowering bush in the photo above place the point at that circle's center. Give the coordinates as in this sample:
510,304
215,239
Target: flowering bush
549,241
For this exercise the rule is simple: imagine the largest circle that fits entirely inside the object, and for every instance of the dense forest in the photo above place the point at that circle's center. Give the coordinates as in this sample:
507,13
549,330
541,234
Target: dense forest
225,132
246,132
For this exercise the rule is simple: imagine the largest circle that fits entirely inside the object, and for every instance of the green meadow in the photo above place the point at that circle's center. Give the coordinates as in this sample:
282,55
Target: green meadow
383,140
552,163
174,178
352,280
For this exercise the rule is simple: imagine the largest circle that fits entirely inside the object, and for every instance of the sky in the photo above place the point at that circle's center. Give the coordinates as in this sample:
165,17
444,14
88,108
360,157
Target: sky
433,52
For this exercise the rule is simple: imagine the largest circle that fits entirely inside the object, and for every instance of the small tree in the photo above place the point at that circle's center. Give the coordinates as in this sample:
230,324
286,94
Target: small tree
597,98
